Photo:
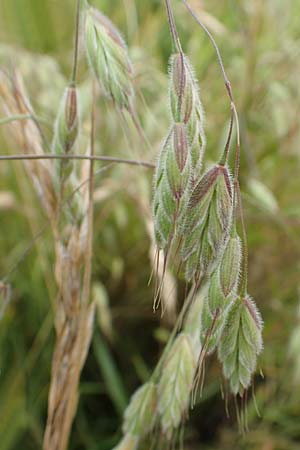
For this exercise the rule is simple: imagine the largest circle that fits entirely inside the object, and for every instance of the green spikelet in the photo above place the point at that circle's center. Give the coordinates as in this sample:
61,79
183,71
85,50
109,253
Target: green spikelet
186,107
208,216
240,344
214,314
108,58
139,416
171,185
192,322
230,265
67,122
216,298
176,383
66,132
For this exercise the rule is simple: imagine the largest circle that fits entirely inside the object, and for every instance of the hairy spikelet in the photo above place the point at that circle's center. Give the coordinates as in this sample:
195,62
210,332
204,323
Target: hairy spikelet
67,122
207,221
186,107
193,320
139,416
240,344
230,265
214,313
108,57
176,383
171,185
180,159
66,130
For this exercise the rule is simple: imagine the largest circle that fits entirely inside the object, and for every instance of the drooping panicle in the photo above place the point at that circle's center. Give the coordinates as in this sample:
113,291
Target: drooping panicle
108,57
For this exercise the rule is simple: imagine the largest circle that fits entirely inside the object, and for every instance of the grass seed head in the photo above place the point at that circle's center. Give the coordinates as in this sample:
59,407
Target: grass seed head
214,315
139,417
216,298
175,384
67,122
171,185
186,106
108,57
207,220
241,343
230,265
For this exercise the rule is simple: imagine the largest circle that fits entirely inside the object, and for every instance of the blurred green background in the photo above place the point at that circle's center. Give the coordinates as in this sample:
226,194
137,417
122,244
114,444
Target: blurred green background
260,44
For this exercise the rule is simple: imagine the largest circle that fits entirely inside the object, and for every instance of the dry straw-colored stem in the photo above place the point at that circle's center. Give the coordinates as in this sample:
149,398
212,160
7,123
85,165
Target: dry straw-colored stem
75,332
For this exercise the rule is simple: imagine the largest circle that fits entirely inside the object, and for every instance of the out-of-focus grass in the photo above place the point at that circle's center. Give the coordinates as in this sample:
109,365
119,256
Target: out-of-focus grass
260,43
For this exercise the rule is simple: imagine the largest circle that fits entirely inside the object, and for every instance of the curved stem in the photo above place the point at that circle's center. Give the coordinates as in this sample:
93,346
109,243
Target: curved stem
226,79
14,118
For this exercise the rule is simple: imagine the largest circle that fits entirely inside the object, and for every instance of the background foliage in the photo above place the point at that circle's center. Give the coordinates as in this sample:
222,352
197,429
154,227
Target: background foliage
260,45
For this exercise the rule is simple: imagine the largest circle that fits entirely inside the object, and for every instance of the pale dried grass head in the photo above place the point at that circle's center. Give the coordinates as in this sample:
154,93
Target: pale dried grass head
27,136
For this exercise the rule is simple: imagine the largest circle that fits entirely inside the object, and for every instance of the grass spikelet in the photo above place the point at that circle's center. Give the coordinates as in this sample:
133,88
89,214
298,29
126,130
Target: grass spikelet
207,221
186,107
28,137
108,58
67,122
139,417
194,316
175,384
171,185
230,265
241,343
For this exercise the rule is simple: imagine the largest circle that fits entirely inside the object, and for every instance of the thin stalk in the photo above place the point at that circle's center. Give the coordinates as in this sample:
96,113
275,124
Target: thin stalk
226,79
178,325
220,60
112,159
14,118
173,28
225,154
76,44
237,193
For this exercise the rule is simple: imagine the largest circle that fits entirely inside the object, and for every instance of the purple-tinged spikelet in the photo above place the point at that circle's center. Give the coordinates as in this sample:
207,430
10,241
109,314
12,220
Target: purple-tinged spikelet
207,221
